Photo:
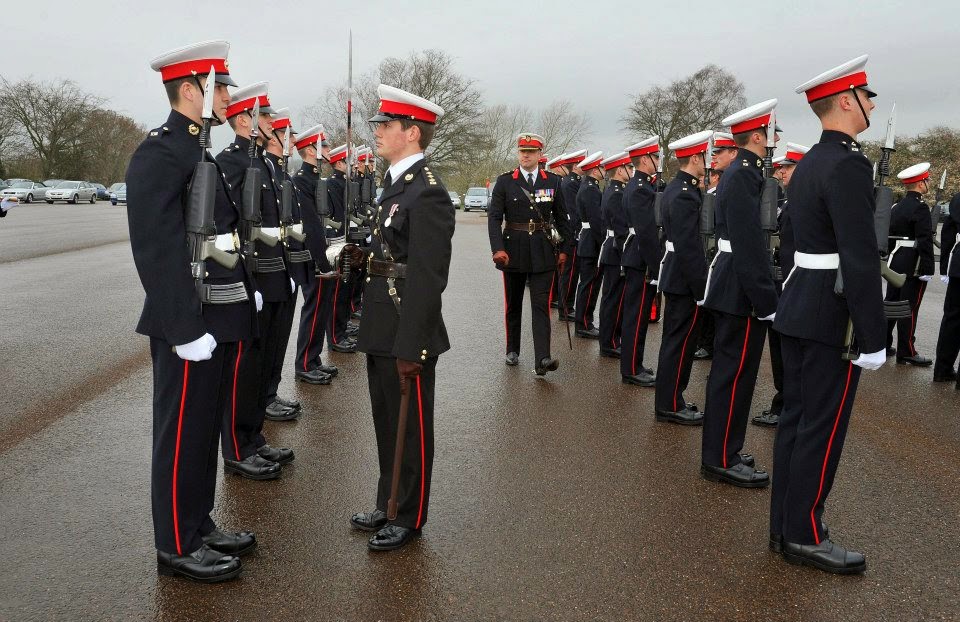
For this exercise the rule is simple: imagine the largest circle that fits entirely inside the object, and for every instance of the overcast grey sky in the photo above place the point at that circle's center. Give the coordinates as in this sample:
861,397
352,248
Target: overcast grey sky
593,53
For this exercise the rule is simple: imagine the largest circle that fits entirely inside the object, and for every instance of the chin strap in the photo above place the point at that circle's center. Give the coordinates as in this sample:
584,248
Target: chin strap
862,111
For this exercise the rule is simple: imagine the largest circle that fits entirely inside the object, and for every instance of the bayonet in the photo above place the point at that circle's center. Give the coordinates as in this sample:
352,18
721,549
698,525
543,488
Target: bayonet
207,113
254,130
891,128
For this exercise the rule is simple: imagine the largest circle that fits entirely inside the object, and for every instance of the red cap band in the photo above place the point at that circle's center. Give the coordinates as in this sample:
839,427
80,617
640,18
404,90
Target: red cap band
529,142
309,140
407,110
719,143
794,155
636,153
193,68
340,156
686,152
913,180
246,104
750,124
281,124
839,85
621,162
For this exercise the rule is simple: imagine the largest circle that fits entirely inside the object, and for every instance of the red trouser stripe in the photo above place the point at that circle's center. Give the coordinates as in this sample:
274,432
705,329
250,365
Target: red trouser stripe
586,325
333,318
176,456
636,334
423,456
826,456
613,337
233,417
313,324
733,392
550,297
506,308
676,387
913,318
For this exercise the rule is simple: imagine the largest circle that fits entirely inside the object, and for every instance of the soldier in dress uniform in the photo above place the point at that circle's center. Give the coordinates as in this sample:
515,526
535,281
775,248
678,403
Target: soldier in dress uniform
402,332
318,290
741,294
569,186
783,258
724,153
525,210
337,338
251,457
618,170
682,279
948,341
641,261
911,253
832,217
366,167
589,197
195,333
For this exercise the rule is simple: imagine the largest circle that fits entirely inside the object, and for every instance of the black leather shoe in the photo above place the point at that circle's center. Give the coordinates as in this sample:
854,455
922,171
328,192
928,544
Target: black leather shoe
231,542
613,353
512,359
891,351
280,455
739,475
369,521
944,376
391,537
683,417
588,333
643,379
253,467
748,460
294,404
278,412
776,539
916,359
546,364
702,354
204,565
330,370
348,347
766,418
826,556
314,376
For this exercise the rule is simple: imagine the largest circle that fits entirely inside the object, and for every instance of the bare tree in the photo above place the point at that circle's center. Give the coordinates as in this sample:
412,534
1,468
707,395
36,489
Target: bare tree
691,104
112,139
940,146
562,127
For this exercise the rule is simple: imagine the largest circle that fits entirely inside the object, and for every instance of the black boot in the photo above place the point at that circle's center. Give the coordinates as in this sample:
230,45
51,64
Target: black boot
204,565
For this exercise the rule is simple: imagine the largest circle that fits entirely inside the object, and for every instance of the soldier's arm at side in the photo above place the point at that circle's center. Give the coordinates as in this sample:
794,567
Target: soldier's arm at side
685,231
849,200
923,230
316,239
495,216
594,216
158,239
646,227
561,221
948,233
431,224
751,261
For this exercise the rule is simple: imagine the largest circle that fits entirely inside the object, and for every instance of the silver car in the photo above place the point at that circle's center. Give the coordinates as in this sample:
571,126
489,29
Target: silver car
476,198
72,192
26,191
455,199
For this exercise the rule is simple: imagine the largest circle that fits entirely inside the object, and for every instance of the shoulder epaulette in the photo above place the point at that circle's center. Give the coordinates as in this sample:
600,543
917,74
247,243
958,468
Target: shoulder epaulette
160,131
430,178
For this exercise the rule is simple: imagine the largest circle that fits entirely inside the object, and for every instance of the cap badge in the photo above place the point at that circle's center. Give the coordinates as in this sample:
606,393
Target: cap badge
193,129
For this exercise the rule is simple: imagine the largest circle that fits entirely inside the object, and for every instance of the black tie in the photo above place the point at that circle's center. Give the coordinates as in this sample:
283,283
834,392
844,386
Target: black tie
530,179
387,180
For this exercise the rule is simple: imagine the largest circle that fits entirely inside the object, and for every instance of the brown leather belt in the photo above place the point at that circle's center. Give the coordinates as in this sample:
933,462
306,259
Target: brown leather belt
529,227
388,269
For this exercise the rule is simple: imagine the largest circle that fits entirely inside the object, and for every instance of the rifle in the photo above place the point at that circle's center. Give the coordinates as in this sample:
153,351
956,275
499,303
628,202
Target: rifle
198,219
250,217
935,213
769,198
289,230
709,205
883,196
658,199
348,190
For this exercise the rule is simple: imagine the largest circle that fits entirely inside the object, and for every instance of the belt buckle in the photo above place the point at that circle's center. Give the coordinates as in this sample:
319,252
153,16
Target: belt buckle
236,241
369,263
531,227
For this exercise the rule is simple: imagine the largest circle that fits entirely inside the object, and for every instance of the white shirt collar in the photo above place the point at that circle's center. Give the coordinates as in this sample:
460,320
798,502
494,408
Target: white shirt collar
526,174
398,169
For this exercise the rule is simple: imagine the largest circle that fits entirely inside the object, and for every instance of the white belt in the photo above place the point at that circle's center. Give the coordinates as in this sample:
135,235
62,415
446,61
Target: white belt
632,231
271,231
585,225
669,246
226,242
724,246
816,261
896,247
953,252
610,233
297,228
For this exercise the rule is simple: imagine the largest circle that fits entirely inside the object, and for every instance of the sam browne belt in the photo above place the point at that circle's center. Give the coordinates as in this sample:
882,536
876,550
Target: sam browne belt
529,227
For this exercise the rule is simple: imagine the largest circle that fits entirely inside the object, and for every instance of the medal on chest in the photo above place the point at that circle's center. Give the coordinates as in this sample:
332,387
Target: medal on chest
393,210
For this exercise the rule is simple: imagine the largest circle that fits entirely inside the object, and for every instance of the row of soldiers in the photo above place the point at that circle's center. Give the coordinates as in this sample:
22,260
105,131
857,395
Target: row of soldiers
224,246
722,242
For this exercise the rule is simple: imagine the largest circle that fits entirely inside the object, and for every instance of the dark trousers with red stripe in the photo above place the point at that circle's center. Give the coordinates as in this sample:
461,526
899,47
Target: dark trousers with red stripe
417,466
948,342
279,352
776,367
738,350
708,330
257,368
314,318
912,291
513,286
566,293
240,422
611,307
188,401
637,300
819,391
681,322
588,291
340,313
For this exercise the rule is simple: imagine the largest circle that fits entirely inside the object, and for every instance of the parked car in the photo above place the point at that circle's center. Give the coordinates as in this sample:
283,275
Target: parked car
52,183
113,187
102,192
476,198
26,191
72,192
119,195
455,199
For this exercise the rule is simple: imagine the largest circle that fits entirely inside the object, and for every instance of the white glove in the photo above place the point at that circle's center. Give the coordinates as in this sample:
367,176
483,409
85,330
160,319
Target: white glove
653,282
874,360
6,204
293,286
700,302
769,318
945,279
258,298
198,350
926,277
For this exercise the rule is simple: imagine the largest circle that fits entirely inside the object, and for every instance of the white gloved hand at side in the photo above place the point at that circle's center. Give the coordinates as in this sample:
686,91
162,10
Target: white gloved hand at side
654,282
873,360
769,318
197,350
926,277
293,286
258,298
700,302
945,279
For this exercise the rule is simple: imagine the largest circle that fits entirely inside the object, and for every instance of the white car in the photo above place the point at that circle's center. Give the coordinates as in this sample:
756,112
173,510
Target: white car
26,191
72,192
476,199
455,199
